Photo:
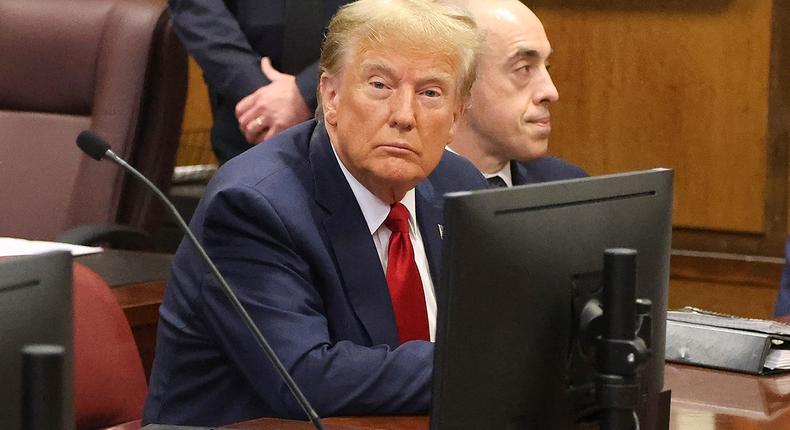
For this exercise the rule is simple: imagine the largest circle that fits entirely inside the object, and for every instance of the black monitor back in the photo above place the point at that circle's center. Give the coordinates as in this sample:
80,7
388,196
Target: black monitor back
519,263
35,308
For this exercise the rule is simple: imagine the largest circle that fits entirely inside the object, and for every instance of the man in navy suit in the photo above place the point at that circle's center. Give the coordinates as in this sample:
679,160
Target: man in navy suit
782,308
505,130
329,234
254,98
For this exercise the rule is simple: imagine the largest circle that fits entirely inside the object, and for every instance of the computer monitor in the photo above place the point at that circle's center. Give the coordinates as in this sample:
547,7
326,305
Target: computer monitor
519,264
35,308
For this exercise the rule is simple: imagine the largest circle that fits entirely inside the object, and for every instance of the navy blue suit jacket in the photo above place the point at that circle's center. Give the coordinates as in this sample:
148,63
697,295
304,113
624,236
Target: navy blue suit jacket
544,169
283,226
783,298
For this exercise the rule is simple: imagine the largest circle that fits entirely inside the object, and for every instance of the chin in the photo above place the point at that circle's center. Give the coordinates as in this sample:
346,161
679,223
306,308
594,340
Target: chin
532,150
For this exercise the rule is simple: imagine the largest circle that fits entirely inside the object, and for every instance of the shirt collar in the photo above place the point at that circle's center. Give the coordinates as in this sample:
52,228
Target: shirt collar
505,173
374,210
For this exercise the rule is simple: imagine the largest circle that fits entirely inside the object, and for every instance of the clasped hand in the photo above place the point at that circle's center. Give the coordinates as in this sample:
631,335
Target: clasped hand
271,108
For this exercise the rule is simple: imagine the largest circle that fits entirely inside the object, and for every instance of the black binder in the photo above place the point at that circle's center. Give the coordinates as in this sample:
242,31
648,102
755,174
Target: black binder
725,342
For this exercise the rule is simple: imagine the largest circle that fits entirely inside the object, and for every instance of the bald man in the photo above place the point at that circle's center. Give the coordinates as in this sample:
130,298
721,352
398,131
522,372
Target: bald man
505,130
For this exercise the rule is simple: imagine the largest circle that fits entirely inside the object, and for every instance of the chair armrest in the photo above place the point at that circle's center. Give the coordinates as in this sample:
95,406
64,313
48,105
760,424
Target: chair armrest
112,235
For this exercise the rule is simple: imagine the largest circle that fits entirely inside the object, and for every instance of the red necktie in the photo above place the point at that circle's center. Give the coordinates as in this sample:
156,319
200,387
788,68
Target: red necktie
403,279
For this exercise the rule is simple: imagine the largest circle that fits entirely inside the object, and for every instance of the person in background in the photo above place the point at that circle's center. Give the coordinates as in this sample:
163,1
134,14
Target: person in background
330,235
782,308
505,130
260,62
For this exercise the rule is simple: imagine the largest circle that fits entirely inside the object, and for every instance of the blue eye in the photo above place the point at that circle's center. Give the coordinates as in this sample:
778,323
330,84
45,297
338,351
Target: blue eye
378,85
432,93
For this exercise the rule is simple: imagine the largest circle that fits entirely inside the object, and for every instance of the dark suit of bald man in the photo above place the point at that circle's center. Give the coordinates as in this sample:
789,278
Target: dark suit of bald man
228,38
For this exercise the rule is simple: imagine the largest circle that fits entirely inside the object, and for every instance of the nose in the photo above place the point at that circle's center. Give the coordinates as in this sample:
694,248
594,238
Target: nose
547,92
402,109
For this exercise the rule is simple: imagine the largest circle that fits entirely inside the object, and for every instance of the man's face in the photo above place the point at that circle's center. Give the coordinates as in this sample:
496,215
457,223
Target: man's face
389,114
508,113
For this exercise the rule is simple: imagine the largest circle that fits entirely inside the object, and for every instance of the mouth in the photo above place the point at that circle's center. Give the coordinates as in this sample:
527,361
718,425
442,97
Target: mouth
539,127
544,121
397,147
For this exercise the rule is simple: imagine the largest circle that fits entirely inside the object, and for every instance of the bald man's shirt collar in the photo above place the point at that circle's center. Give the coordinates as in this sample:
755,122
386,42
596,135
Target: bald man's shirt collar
506,174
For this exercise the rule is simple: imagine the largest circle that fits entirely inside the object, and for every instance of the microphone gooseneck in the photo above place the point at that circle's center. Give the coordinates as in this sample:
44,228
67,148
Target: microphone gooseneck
97,148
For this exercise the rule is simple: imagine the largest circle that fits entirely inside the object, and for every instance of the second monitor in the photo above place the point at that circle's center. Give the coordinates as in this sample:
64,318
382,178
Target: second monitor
519,265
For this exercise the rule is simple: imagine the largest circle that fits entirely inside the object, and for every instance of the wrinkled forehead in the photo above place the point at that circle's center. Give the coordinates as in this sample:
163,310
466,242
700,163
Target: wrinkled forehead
421,50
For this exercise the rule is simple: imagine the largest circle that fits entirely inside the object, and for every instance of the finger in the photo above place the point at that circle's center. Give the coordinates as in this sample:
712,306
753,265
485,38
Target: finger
245,104
269,70
245,126
256,125
250,115
256,138
270,132
254,135
273,129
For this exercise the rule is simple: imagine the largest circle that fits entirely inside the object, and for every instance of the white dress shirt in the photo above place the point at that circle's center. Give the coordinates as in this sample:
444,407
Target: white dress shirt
375,212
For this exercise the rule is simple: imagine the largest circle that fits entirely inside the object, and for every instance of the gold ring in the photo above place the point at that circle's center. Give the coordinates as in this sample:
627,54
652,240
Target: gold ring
259,121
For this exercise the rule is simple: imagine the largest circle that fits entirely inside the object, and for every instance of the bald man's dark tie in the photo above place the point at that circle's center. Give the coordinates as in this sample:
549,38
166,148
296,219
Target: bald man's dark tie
496,182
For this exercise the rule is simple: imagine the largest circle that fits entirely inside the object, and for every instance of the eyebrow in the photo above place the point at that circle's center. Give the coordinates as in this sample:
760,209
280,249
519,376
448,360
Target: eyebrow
528,53
377,67
436,77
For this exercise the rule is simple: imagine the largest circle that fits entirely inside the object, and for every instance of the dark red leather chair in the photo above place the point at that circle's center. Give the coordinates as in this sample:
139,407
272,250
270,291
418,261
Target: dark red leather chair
109,381
113,66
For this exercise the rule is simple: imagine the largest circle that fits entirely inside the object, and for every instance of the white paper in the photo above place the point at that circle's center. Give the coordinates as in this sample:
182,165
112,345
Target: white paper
10,246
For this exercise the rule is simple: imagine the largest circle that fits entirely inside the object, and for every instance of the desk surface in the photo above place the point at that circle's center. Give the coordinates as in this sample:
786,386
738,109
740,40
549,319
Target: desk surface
702,399
120,268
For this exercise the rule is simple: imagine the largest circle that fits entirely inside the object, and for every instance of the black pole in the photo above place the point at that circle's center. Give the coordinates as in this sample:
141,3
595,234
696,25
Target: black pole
619,293
42,386
620,352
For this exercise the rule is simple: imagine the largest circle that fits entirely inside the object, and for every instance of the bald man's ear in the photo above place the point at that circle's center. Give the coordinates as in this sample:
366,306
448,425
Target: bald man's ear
328,87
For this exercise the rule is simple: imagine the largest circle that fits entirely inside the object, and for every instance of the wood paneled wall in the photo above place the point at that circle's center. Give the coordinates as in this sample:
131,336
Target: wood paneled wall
195,145
703,87
697,85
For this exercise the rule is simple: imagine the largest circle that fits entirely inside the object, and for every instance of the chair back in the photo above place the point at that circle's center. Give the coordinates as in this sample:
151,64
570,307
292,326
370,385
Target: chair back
113,66
109,381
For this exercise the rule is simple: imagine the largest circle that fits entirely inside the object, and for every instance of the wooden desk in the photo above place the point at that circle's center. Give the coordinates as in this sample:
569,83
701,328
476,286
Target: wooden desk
702,399
712,399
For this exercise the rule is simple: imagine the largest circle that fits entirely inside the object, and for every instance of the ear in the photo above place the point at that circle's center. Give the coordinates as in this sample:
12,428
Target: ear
457,117
328,87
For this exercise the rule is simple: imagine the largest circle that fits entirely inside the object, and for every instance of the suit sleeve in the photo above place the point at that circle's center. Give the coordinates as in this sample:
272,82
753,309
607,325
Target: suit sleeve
783,298
254,248
214,38
307,82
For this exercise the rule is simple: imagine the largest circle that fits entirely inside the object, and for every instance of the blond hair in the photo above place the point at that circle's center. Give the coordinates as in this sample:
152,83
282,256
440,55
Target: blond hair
417,24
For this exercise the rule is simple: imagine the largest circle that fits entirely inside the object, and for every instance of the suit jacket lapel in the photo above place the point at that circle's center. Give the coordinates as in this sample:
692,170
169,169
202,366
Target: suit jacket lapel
429,218
356,257
518,173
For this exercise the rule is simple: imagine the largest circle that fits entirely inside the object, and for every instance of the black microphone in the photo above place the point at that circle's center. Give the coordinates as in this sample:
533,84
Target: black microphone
98,149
